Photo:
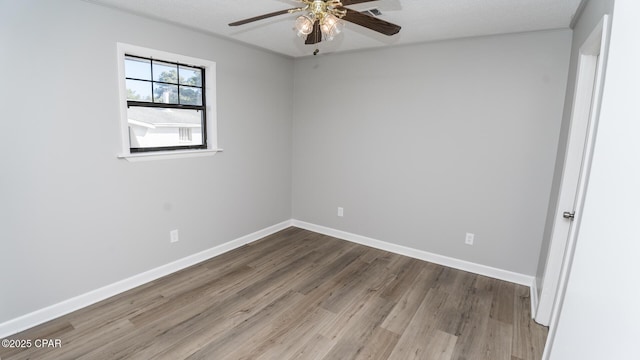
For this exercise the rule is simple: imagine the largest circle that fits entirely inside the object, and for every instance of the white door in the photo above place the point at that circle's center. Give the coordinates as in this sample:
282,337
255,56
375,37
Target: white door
584,114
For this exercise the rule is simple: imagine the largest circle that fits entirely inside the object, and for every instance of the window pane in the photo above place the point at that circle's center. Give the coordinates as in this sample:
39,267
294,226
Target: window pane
166,94
165,72
190,95
138,90
157,127
137,68
190,76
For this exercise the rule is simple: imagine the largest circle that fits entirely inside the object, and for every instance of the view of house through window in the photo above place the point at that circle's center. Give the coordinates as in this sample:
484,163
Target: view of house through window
165,105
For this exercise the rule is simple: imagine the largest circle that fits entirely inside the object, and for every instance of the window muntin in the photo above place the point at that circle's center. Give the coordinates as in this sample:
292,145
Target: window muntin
162,98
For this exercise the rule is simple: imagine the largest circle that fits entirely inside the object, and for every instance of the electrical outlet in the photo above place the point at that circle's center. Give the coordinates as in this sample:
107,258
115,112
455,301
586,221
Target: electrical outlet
469,239
340,212
173,235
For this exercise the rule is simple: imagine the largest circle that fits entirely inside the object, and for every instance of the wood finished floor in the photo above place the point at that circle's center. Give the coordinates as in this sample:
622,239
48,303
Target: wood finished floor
301,295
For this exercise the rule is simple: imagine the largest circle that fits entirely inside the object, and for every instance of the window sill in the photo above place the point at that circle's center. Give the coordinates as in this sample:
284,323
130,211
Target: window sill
164,155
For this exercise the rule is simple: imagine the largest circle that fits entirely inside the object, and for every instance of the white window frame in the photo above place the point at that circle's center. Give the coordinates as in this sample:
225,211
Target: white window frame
210,93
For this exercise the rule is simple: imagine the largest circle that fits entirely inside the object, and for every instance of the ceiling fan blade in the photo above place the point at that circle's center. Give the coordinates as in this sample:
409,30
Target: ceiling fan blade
264,16
352,2
370,22
316,34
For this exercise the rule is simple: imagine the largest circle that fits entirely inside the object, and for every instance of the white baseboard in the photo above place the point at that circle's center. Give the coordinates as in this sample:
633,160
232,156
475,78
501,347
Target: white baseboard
534,298
43,315
56,310
479,269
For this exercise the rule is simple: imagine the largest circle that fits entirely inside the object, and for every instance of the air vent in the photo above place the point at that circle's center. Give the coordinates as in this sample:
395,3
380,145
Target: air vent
372,12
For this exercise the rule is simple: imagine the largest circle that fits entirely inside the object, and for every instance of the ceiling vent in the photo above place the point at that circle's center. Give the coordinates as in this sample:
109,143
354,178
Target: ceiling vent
372,12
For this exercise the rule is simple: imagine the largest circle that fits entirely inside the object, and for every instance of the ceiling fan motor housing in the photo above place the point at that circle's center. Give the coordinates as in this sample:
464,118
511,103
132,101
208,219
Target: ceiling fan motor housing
320,8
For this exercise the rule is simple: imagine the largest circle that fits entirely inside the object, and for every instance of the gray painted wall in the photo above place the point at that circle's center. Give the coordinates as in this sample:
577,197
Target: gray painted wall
589,18
74,217
422,144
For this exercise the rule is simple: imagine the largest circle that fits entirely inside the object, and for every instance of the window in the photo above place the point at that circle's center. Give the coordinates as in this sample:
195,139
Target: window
167,103
164,101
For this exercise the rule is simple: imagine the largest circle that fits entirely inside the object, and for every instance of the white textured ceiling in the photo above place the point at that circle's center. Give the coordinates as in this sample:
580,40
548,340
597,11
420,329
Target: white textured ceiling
421,20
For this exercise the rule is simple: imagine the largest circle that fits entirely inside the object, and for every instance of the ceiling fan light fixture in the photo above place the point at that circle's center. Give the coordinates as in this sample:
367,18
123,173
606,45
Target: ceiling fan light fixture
325,19
304,24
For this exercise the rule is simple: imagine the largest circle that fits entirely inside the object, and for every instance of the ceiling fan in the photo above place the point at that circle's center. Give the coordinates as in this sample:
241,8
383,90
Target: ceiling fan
322,19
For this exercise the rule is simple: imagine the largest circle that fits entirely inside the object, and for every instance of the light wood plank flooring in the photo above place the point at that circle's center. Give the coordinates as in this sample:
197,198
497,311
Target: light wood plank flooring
301,295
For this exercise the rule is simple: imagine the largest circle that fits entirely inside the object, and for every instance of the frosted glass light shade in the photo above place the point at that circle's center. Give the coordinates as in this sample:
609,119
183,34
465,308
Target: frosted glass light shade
331,26
304,25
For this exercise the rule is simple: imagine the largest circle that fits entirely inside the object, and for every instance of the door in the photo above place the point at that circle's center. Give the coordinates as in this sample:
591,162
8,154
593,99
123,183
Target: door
584,114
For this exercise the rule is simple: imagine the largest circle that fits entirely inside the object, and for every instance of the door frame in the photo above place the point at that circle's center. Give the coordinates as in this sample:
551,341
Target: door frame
589,76
592,58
